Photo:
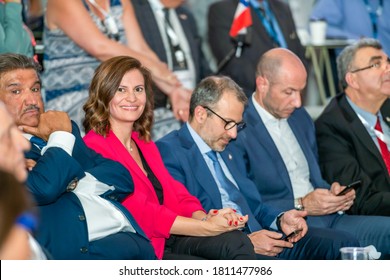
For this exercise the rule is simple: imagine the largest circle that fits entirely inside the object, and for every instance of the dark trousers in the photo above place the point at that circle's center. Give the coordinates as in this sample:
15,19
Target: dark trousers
320,244
234,245
121,246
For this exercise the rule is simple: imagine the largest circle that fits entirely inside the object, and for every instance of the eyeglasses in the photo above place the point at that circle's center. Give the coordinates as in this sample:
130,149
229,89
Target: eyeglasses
228,124
377,65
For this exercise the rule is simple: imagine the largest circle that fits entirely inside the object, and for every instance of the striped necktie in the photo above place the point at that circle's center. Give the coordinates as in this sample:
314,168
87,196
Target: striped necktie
233,192
382,144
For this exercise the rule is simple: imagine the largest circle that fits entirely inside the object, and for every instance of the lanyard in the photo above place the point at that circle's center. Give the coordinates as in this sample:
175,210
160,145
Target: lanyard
266,17
172,36
108,21
374,15
159,9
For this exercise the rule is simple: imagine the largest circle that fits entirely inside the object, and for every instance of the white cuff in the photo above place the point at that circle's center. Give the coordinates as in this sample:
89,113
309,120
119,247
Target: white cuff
61,139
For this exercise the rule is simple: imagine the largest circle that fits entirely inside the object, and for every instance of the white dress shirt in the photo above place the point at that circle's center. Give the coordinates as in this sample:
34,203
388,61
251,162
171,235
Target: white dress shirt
289,150
102,217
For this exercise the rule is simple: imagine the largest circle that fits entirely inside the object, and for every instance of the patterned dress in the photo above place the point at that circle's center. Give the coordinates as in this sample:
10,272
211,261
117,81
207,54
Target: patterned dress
68,69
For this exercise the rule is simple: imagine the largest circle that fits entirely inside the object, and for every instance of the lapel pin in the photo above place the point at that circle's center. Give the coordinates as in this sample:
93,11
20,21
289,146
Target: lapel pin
230,156
183,16
388,119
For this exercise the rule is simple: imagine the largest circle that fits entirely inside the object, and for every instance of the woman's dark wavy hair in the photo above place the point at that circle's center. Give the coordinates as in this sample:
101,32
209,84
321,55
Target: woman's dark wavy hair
104,85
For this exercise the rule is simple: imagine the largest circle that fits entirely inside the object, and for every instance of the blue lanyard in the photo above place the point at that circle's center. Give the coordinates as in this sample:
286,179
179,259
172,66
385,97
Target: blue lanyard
266,17
374,15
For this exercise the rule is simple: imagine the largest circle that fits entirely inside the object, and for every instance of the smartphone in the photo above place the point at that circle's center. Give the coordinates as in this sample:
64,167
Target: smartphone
350,187
295,232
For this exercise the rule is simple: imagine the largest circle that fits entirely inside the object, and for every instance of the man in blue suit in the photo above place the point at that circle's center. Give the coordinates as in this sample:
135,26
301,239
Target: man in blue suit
77,191
195,156
278,152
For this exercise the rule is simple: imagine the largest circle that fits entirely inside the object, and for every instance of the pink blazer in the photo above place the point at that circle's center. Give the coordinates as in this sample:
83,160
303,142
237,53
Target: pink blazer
155,219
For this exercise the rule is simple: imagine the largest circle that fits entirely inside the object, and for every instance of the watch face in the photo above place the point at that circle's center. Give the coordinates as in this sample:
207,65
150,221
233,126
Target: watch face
297,204
72,185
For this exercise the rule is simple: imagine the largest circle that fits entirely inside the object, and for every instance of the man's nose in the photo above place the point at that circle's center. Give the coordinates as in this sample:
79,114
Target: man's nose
32,98
297,101
233,132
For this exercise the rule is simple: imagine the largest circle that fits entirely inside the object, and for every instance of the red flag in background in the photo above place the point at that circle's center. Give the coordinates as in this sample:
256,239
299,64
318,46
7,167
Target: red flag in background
242,19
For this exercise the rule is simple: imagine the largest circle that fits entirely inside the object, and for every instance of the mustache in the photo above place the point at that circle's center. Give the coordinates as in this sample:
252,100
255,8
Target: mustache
31,108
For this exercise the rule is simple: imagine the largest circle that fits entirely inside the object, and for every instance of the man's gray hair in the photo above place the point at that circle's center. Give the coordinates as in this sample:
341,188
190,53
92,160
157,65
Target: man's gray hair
13,61
209,91
347,56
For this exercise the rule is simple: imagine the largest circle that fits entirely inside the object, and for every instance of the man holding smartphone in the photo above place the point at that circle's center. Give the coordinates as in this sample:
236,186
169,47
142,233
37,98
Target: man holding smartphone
353,132
195,155
277,150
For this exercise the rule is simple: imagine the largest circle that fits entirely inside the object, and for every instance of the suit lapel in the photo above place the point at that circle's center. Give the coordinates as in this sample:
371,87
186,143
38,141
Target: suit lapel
304,144
147,21
117,148
265,140
188,33
202,173
385,111
281,18
359,130
258,28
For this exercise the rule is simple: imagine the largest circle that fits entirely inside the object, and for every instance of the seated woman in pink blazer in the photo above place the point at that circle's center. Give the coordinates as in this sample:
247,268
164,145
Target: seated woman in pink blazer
118,120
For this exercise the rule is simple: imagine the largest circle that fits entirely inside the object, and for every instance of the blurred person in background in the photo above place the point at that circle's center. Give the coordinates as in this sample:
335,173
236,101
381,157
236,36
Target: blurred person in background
17,220
14,36
354,19
170,30
272,26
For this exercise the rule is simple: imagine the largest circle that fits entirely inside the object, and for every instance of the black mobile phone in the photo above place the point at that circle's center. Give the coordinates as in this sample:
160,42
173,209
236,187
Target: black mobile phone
348,188
292,234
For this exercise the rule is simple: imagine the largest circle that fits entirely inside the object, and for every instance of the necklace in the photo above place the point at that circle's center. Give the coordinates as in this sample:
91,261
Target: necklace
131,144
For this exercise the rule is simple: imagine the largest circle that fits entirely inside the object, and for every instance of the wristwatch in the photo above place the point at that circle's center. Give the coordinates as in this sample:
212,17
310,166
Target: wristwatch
72,185
279,221
298,204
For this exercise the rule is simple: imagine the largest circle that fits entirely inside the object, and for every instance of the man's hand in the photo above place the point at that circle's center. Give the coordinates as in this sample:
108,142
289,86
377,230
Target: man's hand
49,122
30,164
268,243
180,101
324,201
294,220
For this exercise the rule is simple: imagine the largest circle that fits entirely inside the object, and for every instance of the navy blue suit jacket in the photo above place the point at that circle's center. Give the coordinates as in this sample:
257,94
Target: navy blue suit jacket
185,162
257,155
63,229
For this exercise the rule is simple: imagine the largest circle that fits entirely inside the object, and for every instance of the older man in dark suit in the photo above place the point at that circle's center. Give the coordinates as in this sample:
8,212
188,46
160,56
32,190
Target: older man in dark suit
278,151
353,132
78,192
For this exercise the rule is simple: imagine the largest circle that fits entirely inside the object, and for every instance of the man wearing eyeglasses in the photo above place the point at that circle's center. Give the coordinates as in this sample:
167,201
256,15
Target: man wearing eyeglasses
278,152
195,155
353,132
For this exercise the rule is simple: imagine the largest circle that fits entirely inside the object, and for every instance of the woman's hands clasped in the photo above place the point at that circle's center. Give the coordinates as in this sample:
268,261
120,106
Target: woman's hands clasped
224,220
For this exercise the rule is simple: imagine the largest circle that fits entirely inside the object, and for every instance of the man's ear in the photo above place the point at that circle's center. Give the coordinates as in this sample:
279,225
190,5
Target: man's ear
261,83
200,114
351,80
